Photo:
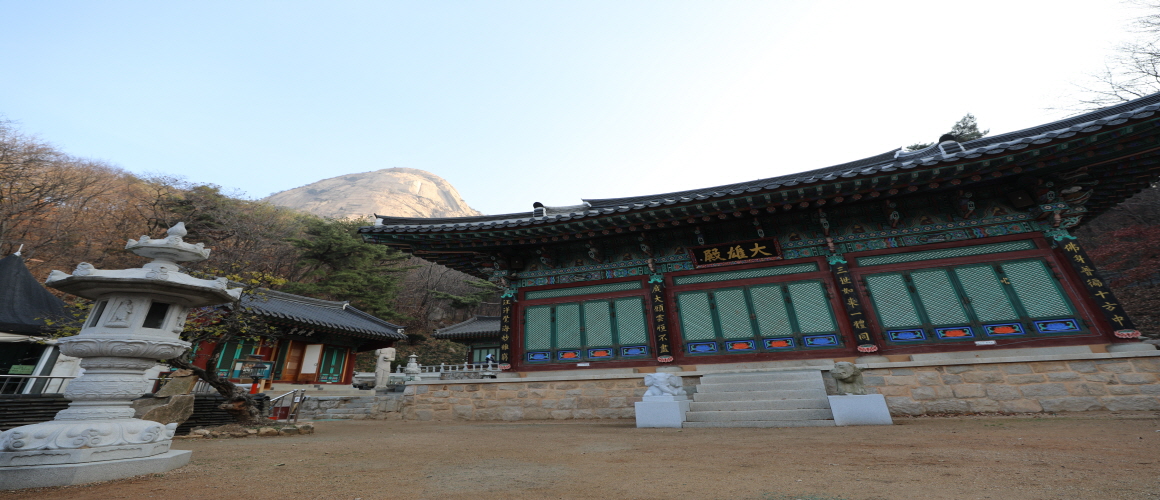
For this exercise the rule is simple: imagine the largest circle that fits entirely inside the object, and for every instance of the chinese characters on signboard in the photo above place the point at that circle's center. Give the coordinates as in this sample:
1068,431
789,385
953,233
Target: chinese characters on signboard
1096,286
852,303
660,319
505,330
736,253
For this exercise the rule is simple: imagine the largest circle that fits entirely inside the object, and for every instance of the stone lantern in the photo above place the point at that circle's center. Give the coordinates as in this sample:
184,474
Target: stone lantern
135,321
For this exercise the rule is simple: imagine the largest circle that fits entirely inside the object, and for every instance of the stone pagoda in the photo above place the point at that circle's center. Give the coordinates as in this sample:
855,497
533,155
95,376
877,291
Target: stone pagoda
136,320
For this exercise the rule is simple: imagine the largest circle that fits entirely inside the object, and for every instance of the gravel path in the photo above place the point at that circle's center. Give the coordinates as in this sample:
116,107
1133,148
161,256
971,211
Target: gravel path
1077,456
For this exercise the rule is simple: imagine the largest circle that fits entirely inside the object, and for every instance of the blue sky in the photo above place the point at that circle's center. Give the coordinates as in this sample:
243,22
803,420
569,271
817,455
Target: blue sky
516,102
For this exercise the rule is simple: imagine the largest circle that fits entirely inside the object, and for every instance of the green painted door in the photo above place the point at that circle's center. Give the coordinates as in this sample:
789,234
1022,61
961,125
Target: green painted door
333,361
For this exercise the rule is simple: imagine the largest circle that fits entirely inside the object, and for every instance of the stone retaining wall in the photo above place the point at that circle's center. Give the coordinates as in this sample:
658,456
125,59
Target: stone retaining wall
1036,386
557,400
1014,386
380,407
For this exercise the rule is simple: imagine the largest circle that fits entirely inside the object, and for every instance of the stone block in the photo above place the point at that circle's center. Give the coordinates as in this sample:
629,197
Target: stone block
440,394
588,403
969,391
947,406
536,414
923,393
980,377
564,385
870,409
288,431
511,413
1151,389
1033,378
1136,378
471,388
1086,389
983,405
566,403
328,403
1082,366
873,381
957,369
1042,390
1100,377
531,403
305,428
421,389
1020,406
592,391
893,390
443,415
1071,404
902,371
522,394
1000,392
548,403
1016,369
903,380
506,394
573,392
1062,376
1128,403
583,414
561,414
662,413
988,368
538,385
617,402
1150,365
456,388
928,378
904,406
424,415
949,379
1115,367
1123,390
464,412
1049,366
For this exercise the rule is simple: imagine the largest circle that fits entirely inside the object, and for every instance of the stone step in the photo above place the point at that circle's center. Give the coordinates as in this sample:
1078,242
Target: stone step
761,423
701,397
713,388
728,378
782,404
755,415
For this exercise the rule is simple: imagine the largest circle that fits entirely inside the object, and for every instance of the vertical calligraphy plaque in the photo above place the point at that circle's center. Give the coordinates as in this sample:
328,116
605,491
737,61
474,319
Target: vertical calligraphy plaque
507,311
853,304
1096,287
659,313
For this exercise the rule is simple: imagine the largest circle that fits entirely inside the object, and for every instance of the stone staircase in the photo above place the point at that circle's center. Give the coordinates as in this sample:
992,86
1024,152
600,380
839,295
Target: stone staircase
761,399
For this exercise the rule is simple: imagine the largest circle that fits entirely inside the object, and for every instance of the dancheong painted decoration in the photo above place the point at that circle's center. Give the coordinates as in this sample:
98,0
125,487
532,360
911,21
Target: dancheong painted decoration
948,248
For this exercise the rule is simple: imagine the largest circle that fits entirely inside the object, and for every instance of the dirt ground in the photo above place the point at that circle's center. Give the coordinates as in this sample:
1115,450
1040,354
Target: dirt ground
1080,456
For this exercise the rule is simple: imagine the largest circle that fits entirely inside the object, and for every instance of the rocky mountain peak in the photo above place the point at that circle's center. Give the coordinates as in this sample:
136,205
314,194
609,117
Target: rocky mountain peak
398,192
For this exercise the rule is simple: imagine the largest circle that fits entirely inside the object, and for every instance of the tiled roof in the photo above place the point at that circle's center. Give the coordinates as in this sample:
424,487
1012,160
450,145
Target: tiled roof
24,302
890,161
479,326
337,317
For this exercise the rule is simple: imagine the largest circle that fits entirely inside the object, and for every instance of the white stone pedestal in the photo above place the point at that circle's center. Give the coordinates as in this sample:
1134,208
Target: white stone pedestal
662,411
40,476
860,410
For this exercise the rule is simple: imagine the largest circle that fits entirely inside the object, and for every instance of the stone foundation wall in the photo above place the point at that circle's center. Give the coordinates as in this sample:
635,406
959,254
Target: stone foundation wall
585,399
381,407
1036,386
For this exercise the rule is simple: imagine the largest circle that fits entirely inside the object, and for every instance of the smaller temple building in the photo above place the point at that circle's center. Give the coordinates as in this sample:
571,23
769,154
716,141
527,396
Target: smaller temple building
27,312
481,335
317,341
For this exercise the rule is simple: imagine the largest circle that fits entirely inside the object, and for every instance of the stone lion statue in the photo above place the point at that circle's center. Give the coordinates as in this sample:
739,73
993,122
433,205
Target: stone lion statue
848,378
660,384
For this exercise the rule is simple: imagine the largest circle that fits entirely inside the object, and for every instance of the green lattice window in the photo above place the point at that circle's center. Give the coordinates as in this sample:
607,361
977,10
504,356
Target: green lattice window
757,318
593,330
972,302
